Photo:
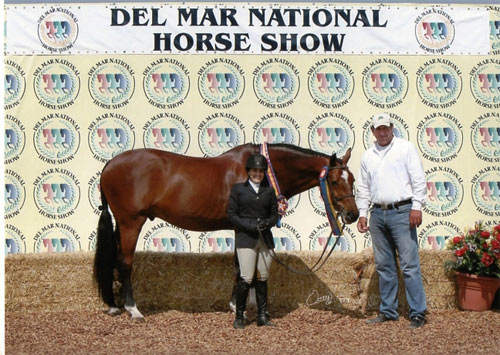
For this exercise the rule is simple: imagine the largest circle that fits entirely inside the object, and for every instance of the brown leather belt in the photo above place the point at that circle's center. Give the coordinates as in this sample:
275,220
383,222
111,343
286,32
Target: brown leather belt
390,206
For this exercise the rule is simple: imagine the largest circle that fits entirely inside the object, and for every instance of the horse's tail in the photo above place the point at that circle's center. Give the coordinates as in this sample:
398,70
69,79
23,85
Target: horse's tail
106,254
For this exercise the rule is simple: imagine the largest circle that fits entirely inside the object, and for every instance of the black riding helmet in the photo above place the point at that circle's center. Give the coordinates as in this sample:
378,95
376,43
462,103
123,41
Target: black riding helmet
256,161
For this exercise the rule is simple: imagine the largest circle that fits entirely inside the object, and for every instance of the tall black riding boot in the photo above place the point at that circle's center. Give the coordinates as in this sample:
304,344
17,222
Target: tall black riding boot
261,295
241,303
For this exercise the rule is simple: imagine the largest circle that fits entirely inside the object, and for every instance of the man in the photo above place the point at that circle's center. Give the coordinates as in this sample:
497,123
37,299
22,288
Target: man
392,180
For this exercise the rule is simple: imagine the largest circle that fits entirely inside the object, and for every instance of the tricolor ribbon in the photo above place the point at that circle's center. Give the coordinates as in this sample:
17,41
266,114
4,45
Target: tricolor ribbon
271,178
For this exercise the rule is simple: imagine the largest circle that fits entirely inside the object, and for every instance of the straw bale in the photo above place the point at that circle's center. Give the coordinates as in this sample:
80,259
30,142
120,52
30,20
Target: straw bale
346,283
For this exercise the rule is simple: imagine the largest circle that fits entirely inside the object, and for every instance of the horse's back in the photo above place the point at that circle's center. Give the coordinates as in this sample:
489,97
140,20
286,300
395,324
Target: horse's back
189,192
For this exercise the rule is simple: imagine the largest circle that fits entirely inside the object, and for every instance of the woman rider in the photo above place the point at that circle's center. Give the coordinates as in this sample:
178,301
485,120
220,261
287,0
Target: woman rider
253,210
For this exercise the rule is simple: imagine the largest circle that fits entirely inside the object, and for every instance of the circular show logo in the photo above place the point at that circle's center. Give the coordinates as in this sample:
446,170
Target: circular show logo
167,238
286,238
331,132
56,193
400,130
276,128
110,135
56,138
57,84
434,235
317,201
485,83
221,83
439,83
58,30
318,239
486,191
485,137
15,139
439,137
220,132
14,84
445,191
216,242
331,83
434,30
494,29
293,202
276,83
15,241
92,241
95,192
167,131
367,240
385,83
111,83
15,194
166,83
57,238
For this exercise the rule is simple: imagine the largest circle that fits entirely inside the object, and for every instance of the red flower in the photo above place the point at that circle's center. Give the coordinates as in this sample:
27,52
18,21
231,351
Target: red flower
495,244
485,245
497,228
485,234
487,260
457,239
498,237
460,252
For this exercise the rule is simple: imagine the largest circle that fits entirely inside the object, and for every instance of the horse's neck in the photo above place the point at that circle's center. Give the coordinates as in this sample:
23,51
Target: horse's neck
296,172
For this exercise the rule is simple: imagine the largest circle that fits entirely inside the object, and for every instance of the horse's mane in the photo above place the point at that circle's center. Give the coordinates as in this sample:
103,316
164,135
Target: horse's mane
289,147
296,148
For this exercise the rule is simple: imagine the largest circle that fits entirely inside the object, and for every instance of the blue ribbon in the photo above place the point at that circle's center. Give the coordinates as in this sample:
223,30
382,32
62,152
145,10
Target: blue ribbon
331,213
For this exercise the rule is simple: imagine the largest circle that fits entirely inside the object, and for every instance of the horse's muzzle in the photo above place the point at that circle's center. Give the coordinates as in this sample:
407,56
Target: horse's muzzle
350,217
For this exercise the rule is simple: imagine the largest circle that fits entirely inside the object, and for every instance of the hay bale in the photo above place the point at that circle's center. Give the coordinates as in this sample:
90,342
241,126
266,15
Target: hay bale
346,283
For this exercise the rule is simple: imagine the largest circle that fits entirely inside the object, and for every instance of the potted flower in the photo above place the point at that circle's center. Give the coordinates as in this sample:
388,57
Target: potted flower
477,264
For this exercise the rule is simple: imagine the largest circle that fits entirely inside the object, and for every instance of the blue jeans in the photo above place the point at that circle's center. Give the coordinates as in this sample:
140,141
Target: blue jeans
390,231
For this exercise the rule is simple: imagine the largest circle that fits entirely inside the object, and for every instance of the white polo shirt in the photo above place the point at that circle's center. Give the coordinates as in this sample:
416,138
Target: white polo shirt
390,174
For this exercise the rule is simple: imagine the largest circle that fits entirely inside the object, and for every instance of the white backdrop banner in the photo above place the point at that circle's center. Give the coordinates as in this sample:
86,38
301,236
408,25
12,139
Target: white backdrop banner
322,28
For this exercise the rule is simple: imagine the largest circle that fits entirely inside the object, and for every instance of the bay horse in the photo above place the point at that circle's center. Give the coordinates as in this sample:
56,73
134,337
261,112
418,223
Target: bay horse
192,193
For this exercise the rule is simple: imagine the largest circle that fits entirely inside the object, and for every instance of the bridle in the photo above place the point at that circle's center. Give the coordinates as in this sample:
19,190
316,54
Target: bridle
334,183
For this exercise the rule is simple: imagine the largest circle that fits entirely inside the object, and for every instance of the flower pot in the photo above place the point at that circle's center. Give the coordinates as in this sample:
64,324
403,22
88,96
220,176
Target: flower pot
476,293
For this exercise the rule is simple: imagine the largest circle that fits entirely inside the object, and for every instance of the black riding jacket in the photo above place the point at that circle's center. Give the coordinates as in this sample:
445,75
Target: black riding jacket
245,207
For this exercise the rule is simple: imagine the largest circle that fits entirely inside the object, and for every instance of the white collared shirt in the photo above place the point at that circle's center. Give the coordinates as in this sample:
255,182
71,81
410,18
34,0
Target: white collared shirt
390,174
255,186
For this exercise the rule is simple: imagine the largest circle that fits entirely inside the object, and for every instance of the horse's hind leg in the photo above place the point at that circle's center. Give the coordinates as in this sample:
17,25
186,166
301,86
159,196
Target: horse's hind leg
129,233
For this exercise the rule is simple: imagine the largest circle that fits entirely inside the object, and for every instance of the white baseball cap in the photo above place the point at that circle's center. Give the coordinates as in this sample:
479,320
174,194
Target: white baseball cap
381,119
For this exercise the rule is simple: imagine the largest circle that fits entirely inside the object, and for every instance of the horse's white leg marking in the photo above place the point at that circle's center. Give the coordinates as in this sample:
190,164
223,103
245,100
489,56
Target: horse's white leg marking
113,311
134,312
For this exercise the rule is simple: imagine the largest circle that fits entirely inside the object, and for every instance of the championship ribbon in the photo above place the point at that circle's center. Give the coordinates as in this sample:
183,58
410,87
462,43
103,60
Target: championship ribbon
271,178
331,213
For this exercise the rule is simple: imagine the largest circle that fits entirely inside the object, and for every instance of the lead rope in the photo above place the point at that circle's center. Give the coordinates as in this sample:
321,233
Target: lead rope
332,216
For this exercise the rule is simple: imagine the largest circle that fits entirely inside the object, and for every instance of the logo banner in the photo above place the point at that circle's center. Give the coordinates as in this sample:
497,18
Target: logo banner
125,28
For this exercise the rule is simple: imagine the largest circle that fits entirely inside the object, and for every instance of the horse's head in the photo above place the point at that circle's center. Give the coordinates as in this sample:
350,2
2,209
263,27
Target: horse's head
341,183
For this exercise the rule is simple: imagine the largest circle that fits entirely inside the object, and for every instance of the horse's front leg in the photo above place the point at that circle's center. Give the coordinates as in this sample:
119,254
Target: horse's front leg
236,276
128,240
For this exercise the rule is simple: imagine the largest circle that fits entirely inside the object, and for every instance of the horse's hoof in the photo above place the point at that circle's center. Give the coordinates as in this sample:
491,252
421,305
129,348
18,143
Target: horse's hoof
113,311
138,319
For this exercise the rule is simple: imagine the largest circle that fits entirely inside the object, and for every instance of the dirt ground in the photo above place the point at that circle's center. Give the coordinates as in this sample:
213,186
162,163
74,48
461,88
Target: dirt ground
302,331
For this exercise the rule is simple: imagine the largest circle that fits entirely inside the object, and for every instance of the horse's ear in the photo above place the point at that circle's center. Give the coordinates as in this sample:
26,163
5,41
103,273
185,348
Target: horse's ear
333,160
347,156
